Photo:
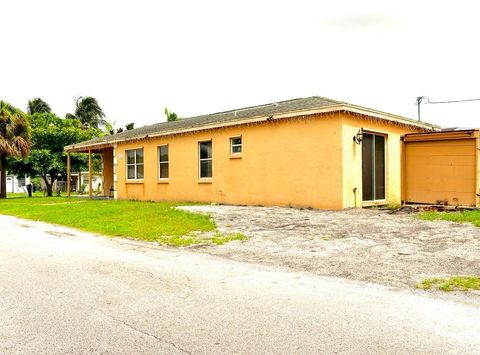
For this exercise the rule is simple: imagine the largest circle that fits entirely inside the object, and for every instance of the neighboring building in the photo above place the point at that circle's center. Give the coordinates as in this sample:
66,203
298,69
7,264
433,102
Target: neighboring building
17,184
309,152
83,185
77,184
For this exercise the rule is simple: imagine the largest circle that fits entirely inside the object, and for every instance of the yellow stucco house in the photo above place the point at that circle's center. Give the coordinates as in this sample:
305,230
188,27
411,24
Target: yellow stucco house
307,152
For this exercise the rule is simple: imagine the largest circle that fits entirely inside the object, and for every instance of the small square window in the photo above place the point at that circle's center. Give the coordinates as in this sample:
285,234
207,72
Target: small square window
236,145
135,164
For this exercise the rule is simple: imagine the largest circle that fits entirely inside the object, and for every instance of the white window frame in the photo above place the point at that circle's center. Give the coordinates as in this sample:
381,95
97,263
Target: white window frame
135,164
204,159
163,162
236,145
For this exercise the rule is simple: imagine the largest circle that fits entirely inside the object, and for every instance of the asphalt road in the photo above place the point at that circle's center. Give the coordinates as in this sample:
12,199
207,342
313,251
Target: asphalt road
66,292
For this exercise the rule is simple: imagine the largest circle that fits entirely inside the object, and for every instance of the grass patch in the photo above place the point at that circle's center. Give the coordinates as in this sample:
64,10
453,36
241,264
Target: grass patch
459,217
453,283
220,239
150,221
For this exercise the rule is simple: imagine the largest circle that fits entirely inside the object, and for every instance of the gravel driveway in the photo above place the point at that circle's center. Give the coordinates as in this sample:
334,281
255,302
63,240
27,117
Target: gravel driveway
360,244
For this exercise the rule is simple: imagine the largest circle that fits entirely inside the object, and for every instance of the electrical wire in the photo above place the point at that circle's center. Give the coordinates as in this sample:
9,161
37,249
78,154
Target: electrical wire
450,101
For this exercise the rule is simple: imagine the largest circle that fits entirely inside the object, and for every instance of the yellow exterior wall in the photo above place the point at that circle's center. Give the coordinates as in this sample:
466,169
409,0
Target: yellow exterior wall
301,162
296,162
352,159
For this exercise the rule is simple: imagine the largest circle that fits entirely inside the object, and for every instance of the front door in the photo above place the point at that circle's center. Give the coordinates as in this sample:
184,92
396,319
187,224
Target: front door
373,167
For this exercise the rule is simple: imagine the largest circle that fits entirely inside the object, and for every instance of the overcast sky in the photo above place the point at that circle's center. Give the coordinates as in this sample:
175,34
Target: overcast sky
136,57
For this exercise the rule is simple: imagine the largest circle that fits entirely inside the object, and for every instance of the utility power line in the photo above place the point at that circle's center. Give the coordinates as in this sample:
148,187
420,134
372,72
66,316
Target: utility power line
449,102
427,100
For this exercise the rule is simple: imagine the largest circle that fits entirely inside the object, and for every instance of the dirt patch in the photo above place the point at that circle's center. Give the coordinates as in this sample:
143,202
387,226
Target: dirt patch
397,249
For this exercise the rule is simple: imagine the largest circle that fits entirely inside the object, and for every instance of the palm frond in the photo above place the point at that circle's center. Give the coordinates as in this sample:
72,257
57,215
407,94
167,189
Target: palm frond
88,110
37,105
15,134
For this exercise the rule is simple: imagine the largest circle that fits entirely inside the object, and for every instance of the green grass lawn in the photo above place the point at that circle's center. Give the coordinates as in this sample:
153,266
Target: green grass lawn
460,217
151,221
454,283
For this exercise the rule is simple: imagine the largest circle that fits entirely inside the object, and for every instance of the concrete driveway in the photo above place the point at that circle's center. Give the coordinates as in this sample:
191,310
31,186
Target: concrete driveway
67,292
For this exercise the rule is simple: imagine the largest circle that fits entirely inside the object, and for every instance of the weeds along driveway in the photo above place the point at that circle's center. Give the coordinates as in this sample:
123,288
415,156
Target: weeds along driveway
368,245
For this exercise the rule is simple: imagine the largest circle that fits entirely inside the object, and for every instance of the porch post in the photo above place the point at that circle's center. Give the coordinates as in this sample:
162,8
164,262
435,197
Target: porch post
68,174
90,173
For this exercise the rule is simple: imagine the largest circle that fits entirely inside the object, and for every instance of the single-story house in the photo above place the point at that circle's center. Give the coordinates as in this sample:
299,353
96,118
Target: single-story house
307,152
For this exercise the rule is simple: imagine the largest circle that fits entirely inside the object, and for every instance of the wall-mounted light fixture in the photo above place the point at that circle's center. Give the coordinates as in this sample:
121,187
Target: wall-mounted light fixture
358,137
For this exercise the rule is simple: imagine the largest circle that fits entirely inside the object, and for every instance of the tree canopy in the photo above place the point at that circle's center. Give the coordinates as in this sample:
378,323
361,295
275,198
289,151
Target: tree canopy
47,159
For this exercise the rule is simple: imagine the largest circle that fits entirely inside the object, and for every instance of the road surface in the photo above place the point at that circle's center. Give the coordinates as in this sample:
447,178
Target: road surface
67,292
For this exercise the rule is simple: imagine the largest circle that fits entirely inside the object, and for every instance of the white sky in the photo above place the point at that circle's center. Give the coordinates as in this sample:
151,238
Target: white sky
196,57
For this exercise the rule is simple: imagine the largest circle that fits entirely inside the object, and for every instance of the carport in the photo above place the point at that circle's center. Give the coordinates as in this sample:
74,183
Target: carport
441,168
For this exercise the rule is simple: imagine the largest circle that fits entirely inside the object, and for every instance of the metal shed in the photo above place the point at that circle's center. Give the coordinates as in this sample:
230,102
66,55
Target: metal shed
442,168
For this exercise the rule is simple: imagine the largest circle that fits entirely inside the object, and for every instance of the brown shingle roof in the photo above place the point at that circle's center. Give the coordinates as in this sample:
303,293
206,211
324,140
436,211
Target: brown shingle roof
219,118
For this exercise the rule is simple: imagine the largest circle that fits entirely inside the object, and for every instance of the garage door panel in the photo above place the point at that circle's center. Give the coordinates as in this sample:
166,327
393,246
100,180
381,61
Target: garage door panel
434,197
451,160
440,171
446,186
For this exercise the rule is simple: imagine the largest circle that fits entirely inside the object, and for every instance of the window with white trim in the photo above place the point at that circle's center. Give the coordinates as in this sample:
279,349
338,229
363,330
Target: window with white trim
163,164
205,156
134,164
236,145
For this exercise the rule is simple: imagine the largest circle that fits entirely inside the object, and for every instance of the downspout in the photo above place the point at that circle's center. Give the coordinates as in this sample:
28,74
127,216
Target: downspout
355,196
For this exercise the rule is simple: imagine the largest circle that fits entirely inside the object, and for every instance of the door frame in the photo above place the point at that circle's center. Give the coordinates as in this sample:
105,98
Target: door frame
384,201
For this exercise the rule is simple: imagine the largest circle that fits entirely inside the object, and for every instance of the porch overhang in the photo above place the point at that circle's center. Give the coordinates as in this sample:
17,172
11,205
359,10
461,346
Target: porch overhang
88,149
94,148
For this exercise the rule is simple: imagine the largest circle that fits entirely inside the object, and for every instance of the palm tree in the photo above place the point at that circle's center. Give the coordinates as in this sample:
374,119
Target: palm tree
37,105
171,116
14,139
89,111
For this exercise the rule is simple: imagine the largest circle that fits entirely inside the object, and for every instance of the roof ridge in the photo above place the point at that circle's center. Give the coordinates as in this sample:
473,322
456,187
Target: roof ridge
239,109
263,105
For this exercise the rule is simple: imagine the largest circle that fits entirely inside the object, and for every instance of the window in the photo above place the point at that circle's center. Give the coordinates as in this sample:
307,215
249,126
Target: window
236,145
163,162
135,164
205,153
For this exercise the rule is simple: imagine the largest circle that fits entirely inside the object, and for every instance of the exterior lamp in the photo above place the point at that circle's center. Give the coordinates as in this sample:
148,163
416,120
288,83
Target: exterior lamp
358,137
